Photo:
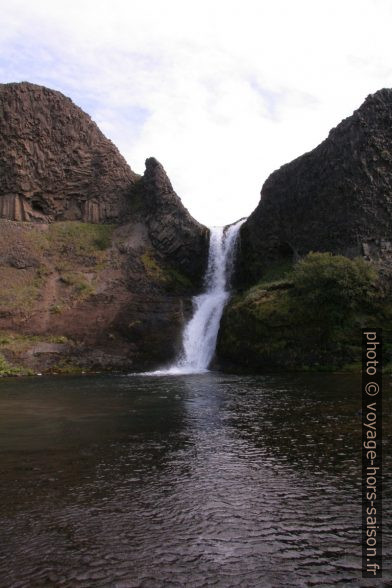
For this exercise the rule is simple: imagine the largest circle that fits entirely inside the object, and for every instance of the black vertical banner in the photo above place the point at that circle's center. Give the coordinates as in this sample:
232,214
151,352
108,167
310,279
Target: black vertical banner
371,453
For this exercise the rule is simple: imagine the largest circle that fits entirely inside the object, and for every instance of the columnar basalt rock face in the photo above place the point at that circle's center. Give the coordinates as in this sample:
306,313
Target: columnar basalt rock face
55,164
335,198
173,231
108,287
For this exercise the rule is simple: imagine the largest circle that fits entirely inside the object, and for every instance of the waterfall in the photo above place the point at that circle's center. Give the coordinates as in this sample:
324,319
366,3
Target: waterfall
201,331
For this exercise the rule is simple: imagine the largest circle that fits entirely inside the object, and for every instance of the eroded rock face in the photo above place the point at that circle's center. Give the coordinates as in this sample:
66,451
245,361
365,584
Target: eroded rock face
335,198
55,164
108,287
89,296
172,230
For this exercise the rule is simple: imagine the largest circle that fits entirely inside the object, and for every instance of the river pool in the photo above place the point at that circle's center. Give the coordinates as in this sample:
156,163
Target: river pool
177,481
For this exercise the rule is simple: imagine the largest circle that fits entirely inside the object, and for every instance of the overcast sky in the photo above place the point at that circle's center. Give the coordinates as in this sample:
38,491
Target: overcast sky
222,92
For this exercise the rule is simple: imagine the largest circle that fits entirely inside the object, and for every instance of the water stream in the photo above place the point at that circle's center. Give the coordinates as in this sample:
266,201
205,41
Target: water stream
201,331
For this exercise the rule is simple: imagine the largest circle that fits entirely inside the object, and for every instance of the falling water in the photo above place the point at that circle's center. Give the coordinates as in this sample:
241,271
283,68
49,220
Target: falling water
201,332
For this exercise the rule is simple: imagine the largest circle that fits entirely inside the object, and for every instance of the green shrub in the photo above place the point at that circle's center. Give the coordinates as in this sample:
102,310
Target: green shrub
310,317
277,272
330,289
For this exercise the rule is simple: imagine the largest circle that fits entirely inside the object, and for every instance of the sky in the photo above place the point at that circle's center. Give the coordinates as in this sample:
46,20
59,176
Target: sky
222,93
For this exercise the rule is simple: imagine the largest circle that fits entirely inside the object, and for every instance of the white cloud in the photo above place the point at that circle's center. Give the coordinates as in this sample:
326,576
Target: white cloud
222,93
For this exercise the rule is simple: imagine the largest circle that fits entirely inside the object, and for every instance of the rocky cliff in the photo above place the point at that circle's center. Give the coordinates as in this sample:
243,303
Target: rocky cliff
335,198
302,310
97,264
55,164
172,229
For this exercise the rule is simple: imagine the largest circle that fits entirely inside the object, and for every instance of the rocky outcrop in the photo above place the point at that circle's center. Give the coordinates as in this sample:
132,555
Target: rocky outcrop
172,230
55,164
336,198
97,265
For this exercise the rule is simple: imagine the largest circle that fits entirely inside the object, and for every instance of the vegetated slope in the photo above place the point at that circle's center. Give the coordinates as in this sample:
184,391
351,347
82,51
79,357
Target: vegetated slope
97,264
308,316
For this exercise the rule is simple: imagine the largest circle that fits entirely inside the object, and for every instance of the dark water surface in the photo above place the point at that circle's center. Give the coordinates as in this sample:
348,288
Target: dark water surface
200,480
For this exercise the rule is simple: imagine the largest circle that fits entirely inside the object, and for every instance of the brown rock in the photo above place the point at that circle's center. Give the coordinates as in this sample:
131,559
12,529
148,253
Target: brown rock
118,295
172,230
55,163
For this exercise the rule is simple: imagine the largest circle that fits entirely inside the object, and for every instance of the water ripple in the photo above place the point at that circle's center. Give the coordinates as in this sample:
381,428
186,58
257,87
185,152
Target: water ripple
213,481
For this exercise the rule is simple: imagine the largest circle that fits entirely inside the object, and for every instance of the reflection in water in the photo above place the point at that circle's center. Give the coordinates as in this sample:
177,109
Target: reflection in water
183,481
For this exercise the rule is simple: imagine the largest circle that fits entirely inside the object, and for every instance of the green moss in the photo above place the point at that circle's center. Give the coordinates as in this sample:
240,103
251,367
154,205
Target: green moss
62,265
310,318
79,239
354,367
42,273
276,273
81,287
64,247
19,342
34,239
170,278
20,289
176,280
151,266
5,339
66,367
332,284
57,308
84,289
6,369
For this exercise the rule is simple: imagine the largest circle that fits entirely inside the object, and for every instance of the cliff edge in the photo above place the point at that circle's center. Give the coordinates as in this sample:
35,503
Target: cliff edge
336,198
315,257
97,264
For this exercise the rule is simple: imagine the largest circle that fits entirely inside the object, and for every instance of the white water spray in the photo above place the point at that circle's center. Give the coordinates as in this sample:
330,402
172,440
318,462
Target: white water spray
201,332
